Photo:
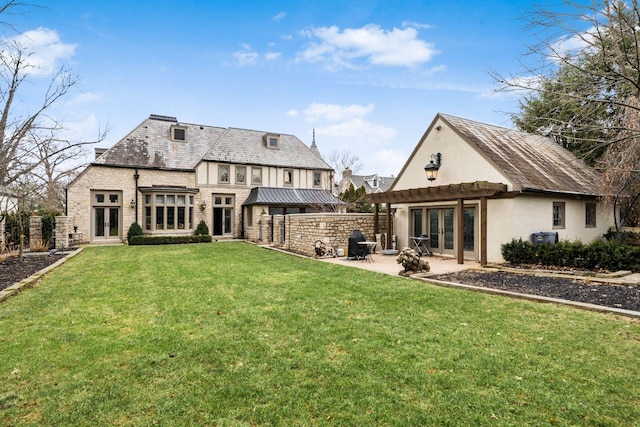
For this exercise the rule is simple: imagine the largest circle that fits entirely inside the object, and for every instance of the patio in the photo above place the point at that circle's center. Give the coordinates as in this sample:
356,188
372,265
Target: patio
387,264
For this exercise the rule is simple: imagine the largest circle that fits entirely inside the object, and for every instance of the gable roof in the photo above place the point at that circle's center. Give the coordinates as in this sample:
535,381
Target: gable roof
384,182
290,197
150,145
533,163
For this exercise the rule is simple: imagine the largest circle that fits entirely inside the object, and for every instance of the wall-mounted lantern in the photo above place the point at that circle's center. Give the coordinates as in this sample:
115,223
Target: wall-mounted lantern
203,205
432,168
132,204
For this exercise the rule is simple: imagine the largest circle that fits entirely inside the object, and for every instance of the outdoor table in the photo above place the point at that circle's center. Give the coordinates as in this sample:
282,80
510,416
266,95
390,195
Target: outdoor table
370,246
421,244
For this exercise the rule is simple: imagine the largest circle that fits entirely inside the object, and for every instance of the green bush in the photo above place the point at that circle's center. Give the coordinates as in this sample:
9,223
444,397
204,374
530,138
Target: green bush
168,240
134,230
612,255
201,229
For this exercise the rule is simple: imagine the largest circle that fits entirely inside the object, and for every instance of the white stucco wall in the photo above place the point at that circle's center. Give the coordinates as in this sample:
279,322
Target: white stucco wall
460,162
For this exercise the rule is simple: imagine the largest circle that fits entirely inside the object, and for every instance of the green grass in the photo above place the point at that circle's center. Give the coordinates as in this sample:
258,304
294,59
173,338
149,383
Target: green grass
230,334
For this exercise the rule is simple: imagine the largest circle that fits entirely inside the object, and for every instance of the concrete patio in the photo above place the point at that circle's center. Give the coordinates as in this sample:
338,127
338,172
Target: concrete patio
387,264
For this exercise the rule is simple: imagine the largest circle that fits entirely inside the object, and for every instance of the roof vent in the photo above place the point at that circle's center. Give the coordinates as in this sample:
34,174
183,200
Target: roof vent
163,118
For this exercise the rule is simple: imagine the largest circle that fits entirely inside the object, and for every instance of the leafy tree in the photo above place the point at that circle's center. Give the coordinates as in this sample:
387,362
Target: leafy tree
583,89
356,200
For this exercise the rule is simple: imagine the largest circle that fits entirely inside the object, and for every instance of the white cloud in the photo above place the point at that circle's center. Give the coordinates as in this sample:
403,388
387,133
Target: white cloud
335,113
292,113
43,49
86,97
246,56
279,16
418,25
270,56
370,44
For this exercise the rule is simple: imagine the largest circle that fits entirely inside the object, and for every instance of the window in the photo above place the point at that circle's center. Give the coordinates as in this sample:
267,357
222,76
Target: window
558,215
288,177
241,175
590,215
178,133
375,183
317,179
272,141
256,176
223,174
168,212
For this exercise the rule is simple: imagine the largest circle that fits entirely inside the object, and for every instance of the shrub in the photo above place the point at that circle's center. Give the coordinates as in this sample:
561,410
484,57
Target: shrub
168,240
612,255
134,230
201,229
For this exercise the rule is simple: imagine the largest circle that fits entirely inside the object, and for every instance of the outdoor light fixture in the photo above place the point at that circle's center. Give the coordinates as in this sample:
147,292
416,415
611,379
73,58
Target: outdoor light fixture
263,213
132,204
203,205
432,168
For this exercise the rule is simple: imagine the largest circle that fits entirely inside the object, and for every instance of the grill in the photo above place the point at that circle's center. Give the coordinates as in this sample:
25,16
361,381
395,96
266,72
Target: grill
355,250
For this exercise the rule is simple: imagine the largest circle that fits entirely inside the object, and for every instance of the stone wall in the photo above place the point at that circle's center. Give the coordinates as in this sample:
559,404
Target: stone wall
35,231
299,232
63,231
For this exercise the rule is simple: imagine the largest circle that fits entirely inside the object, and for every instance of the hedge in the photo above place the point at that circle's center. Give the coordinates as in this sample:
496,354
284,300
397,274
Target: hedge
169,240
612,255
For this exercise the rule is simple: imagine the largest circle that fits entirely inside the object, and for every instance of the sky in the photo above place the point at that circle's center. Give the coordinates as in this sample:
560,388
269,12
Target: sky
368,76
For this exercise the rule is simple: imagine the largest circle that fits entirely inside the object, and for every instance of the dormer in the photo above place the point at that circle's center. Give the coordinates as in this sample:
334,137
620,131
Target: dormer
374,181
272,141
178,133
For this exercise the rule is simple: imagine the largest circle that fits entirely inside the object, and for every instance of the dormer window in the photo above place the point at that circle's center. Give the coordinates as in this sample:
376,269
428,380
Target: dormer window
178,133
375,183
272,141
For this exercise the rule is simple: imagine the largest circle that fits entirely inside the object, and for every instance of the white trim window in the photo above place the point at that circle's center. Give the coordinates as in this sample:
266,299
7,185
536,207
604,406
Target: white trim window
256,176
241,175
559,215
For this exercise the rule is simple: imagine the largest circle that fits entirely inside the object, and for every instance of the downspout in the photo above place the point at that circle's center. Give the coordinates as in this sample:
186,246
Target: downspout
136,176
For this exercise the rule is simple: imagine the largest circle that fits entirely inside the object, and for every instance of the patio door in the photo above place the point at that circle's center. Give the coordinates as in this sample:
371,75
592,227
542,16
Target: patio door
223,215
441,226
106,223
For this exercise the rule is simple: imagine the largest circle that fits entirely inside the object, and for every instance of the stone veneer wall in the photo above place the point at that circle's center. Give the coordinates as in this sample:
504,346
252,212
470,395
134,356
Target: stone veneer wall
35,230
62,231
95,177
302,230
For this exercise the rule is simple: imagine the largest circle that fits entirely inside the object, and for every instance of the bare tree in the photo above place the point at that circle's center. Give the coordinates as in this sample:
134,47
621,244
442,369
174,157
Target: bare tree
340,160
581,86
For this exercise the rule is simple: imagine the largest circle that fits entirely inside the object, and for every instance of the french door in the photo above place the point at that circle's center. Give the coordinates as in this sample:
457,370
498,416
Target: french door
106,222
223,205
106,215
441,226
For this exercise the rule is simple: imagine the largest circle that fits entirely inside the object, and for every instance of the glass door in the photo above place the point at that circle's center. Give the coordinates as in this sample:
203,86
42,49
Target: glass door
441,230
106,216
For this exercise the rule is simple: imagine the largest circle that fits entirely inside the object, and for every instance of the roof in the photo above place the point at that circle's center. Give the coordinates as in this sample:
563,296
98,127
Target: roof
532,162
290,197
247,147
384,182
150,145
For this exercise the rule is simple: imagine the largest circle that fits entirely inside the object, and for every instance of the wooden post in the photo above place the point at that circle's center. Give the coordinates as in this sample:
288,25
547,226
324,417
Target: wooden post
483,231
389,227
460,230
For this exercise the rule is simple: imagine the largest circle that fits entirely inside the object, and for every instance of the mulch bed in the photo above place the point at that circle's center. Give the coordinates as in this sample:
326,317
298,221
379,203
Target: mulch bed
616,296
14,269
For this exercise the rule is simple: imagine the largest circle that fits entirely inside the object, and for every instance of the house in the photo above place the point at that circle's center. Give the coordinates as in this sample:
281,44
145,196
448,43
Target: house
169,175
488,185
371,183
8,201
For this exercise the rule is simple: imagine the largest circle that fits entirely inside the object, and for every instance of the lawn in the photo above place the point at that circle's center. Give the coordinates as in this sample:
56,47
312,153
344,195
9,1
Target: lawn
230,334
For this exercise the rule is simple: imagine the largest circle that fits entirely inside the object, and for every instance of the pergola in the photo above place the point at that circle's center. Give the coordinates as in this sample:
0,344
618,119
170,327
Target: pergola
481,190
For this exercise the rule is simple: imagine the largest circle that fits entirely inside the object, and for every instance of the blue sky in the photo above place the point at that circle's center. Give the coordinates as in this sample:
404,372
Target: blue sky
368,76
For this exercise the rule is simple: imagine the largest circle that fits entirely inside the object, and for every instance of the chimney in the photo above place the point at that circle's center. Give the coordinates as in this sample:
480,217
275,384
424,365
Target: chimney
99,152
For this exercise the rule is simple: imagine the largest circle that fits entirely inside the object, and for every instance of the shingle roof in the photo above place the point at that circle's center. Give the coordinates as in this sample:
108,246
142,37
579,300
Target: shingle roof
150,146
384,182
291,152
290,197
531,162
